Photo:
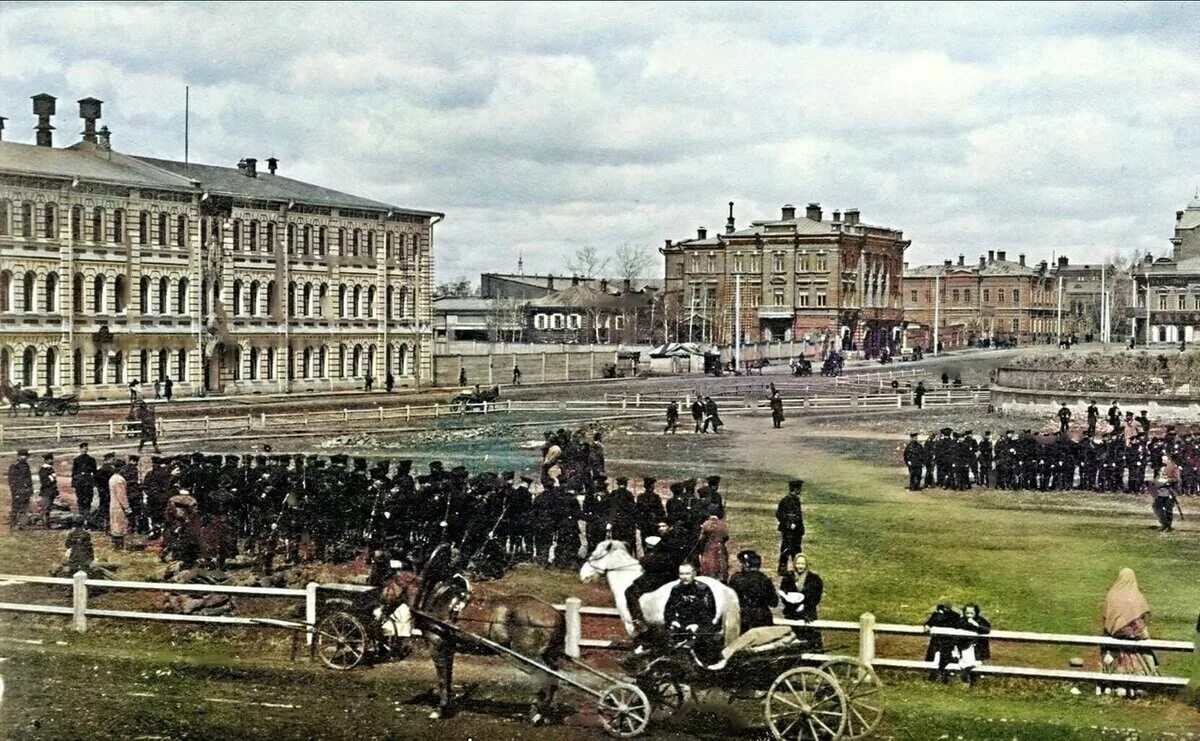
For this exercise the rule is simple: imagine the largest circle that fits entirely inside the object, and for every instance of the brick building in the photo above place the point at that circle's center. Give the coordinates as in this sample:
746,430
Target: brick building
1167,289
115,267
834,283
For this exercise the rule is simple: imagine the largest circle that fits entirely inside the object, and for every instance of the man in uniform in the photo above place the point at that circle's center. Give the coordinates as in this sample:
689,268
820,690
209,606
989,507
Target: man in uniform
698,415
984,461
47,487
20,487
692,609
650,509
83,480
1114,416
756,594
621,518
1064,418
790,516
659,566
914,456
1093,417
711,493
672,417
777,410
103,474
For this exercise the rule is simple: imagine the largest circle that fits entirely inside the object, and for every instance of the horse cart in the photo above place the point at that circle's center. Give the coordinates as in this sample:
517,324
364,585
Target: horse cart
348,631
806,696
56,405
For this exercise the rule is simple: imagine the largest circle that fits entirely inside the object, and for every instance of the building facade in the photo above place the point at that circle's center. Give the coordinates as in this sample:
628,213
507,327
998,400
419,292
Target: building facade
834,283
227,280
993,300
1165,300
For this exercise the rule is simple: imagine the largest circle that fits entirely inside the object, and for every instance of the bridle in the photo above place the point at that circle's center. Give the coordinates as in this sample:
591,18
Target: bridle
594,559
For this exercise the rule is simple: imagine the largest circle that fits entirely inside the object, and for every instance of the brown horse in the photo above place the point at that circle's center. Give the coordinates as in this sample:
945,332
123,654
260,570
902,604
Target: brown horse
18,396
523,624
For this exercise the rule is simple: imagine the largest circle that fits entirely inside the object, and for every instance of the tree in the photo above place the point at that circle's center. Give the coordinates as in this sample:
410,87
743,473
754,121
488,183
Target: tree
458,288
632,260
587,262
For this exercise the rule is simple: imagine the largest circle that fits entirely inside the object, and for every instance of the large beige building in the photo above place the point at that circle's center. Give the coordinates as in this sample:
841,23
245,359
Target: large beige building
228,280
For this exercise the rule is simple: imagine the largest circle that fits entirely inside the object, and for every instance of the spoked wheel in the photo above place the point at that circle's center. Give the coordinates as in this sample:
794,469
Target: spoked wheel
73,408
805,704
864,695
624,710
667,697
341,641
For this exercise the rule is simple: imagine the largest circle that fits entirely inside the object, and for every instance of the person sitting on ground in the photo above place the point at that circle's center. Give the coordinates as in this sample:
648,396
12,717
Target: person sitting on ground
942,648
691,610
80,554
1127,616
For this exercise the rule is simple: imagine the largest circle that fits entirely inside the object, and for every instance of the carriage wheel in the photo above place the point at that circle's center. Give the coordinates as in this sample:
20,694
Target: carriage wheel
39,410
667,697
341,640
60,411
805,704
864,695
624,710
73,408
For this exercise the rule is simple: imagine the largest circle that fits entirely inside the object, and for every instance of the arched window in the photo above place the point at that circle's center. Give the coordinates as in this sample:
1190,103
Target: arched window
342,241
51,293
164,361
144,295
370,243
29,367
291,362
387,245
27,220
291,238
292,299
50,221
119,367
97,296
253,235
342,360
181,297
145,373
355,238
237,298
254,364
5,212
321,357
306,362
144,227
163,236
119,299
269,245
322,294
271,363
342,301
77,302
98,367
356,302
402,361
97,228
6,290
51,367
272,300
371,301
253,298
320,246
237,363
305,239
203,297
403,300
181,231
164,287
119,225
369,367
76,367
181,365
306,302
28,291
356,362
387,301
77,223
237,234
216,294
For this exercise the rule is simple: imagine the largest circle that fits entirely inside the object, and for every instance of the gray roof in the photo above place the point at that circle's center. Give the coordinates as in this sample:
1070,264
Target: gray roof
446,304
540,281
87,162
996,267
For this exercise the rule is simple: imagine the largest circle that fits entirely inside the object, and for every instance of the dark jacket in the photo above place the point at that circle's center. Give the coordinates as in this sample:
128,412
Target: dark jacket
790,515
756,596
691,604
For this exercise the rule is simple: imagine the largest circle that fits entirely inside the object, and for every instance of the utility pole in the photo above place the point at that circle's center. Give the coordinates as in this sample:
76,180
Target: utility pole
1146,272
737,321
1060,297
937,313
1103,304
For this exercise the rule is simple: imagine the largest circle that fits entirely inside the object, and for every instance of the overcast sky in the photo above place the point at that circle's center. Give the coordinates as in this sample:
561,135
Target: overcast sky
539,128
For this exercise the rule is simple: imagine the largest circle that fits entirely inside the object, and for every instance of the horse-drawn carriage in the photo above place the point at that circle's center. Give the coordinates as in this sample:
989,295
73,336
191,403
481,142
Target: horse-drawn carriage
39,405
478,397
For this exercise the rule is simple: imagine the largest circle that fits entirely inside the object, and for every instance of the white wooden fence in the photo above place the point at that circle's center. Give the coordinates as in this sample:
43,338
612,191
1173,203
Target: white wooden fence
868,629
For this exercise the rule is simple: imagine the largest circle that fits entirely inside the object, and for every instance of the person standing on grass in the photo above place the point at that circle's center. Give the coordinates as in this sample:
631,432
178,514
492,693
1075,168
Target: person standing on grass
462,376
83,480
20,487
776,410
790,517
47,487
1064,418
1093,417
756,594
698,414
672,417
516,375
919,395
118,509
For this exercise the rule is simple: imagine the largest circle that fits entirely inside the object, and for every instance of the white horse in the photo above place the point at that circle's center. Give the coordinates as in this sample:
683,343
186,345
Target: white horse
612,560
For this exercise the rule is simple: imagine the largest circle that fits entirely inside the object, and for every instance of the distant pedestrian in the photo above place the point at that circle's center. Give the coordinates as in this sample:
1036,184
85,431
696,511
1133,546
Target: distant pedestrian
389,382
168,387
776,410
368,381
672,417
158,389
133,390
516,375
698,414
919,395
462,376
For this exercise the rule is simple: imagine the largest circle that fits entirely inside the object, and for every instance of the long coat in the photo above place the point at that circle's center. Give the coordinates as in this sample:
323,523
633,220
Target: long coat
714,561
118,506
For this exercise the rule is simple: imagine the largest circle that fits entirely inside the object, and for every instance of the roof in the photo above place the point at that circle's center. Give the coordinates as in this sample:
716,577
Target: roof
449,304
1191,215
87,162
994,268
576,295
798,226
541,281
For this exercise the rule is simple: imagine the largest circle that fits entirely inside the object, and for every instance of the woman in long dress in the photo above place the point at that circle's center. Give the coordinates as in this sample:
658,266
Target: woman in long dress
714,559
1127,616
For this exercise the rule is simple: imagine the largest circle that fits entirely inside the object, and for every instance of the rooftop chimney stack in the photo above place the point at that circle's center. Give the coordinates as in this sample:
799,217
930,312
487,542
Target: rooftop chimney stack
837,216
251,169
1000,255
813,211
272,164
666,244
1021,259
701,233
788,212
991,256
1062,261
1178,214
982,262
729,223
946,263
102,139
43,108
851,216
962,260
89,111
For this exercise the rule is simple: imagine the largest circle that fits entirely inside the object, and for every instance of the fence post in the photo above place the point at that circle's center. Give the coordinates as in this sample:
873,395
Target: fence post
58,432
637,400
112,433
574,621
435,410
249,421
866,638
345,415
262,420
79,601
380,414
1,434
310,610
407,412
207,423
510,406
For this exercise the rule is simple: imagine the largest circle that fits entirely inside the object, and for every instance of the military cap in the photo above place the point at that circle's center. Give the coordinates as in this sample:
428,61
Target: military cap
404,466
25,452
913,435
360,464
107,456
649,482
622,480
714,480
750,559
677,488
435,466
795,485
508,475
134,457
47,456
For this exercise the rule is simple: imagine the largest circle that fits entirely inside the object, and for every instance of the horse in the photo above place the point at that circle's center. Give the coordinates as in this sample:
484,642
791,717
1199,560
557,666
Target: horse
523,624
612,560
18,396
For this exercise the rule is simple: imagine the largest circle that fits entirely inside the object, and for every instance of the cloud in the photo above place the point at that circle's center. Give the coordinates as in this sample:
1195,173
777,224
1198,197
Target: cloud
542,127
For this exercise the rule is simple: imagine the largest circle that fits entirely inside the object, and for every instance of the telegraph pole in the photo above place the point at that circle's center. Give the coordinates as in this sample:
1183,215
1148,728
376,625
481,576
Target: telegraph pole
1059,322
937,313
737,321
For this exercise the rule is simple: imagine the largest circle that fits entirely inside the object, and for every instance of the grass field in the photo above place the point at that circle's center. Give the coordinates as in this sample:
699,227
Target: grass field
1033,561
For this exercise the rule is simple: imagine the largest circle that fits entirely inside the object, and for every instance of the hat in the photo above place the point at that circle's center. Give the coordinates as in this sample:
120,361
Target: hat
25,451
795,485
649,482
107,456
652,540
622,480
750,559
912,435
714,480
134,457
47,456
677,488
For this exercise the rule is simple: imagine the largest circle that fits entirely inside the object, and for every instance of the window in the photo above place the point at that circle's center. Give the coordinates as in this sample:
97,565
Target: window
355,238
778,297
342,241
556,321
1016,295
119,293
1162,302
144,227
356,302
1181,302
370,243
49,220
163,288
181,230
711,259
821,299
98,297
254,356
802,298
306,300
118,225
320,248
966,295
237,298
28,291
271,363
695,263
253,304
987,296
98,225
755,263
291,238
6,292
539,321
1195,305
162,230
144,295
954,295
1016,325
341,301
822,263
912,297
738,266
77,223
305,239
253,234
574,321
51,293
27,220
804,263
76,294
181,297
269,244
620,321
777,262
237,234
4,211
371,301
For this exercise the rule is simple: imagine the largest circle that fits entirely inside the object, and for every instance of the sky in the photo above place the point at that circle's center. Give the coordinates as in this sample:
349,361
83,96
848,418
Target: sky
1045,129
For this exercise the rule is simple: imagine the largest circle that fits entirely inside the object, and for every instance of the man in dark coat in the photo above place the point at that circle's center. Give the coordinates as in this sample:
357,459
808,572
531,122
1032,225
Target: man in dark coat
621,517
692,608
650,509
83,479
756,594
1064,418
914,456
47,487
158,489
790,516
20,486
712,415
659,566
1093,417
103,474
776,410
698,415
941,647
1114,416
672,417
919,395
711,493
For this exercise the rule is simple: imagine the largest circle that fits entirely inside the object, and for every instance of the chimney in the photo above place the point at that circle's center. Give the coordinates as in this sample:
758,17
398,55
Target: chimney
837,216
729,228
43,108
906,265
991,256
89,111
574,280
1000,255
962,260
982,262
550,282
788,212
851,216
813,211
946,263
701,233
249,167
1021,259
103,140
628,284
272,164
1178,214
1062,262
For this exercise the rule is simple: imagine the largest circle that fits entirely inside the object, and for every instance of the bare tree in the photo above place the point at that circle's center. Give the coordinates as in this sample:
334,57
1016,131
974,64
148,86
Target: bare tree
459,288
632,260
587,262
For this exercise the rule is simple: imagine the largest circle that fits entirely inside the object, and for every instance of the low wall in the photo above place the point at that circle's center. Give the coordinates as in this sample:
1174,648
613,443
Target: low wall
1006,400
1093,380
496,368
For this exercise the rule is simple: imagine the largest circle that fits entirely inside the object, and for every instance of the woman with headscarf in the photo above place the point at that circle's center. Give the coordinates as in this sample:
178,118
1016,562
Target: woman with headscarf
714,558
973,651
1126,616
